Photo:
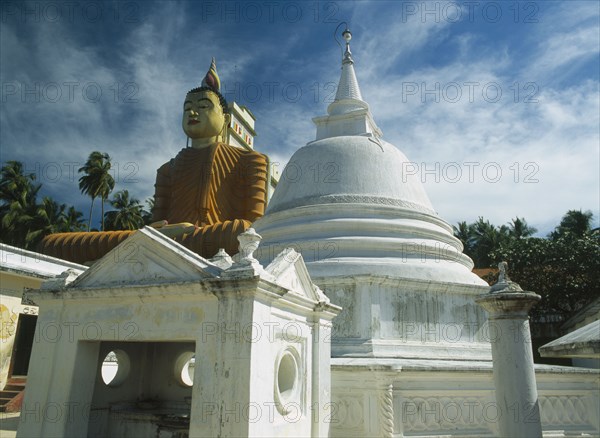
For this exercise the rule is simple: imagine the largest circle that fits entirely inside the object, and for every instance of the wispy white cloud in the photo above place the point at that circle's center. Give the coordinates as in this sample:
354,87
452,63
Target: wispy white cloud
167,51
565,39
564,53
544,140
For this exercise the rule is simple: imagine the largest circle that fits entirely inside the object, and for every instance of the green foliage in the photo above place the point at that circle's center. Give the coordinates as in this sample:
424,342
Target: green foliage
565,270
481,238
574,222
49,218
129,213
519,229
24,221
97,180
18,193
74,220
147,215
464,233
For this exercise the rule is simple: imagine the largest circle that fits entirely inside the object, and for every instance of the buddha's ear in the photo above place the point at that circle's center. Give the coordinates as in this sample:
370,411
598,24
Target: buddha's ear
226,121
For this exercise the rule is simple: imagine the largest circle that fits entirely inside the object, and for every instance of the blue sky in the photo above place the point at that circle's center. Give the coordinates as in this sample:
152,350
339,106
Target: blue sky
496,104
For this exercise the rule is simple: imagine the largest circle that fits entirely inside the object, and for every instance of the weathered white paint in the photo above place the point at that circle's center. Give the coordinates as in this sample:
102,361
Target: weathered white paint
239,322
352,204
410,342
20,269
514,374
411,348
452,398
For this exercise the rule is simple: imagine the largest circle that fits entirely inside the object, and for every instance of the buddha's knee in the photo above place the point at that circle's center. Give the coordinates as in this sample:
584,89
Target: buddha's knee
82,247
207,240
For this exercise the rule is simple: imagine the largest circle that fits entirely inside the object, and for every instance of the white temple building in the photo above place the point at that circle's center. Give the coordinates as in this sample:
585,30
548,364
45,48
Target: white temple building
408,354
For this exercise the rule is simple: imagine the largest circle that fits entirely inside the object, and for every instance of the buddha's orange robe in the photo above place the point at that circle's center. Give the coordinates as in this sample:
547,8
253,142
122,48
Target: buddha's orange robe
220,189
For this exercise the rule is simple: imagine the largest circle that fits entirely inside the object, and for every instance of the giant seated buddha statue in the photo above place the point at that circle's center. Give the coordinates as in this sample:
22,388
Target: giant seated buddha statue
204,197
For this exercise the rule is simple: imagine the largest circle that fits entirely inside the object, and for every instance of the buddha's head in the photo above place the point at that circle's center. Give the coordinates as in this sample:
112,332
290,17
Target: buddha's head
205,117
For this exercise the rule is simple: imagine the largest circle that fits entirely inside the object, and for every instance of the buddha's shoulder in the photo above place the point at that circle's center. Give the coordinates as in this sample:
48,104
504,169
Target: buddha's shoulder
190,155
181,156
165,168
244,154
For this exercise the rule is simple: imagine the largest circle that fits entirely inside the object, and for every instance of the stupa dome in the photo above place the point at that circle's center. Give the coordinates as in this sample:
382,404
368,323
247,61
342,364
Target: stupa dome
349,169
350,203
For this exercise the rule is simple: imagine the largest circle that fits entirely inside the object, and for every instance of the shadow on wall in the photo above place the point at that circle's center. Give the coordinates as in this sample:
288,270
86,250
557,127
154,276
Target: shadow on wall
9,422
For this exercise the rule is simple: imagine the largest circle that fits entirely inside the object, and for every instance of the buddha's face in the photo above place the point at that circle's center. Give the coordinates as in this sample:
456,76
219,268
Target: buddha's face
202,115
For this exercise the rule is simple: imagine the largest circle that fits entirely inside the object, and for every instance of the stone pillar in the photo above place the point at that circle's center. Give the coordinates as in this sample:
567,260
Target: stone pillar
514,375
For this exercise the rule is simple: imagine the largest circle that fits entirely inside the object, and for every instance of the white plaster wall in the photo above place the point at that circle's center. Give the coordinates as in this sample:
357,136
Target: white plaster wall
395,318
431,398
288,416
151,377
238,332
66,360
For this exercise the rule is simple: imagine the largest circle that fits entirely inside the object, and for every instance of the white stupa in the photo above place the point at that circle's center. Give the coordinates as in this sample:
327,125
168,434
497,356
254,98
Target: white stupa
373,241
411,352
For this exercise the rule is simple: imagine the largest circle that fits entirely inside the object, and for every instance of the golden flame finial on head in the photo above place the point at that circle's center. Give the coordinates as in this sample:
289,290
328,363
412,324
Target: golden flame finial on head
211,80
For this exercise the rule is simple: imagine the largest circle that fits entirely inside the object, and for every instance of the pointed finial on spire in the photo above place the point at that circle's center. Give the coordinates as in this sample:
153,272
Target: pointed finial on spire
348,85
347,35
211,80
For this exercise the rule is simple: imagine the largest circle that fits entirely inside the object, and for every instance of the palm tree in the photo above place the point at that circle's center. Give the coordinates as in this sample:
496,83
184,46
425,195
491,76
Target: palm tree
97,180
518,229
74,220
574,222
486,238
128,214
49,218
18,195
147,214
464,233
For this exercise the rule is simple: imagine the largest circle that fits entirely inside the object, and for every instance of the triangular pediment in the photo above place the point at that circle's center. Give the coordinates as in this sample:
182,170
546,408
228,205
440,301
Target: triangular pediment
289,271
147,257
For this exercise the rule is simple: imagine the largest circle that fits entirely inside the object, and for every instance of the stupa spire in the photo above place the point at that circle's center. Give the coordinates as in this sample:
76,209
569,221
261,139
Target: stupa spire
348,114
348,85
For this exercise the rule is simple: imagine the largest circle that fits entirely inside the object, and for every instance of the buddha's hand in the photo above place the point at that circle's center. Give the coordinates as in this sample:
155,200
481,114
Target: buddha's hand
173,230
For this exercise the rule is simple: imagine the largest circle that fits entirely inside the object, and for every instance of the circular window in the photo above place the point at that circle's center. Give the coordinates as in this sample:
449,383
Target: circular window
184,368
115,368
287,382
